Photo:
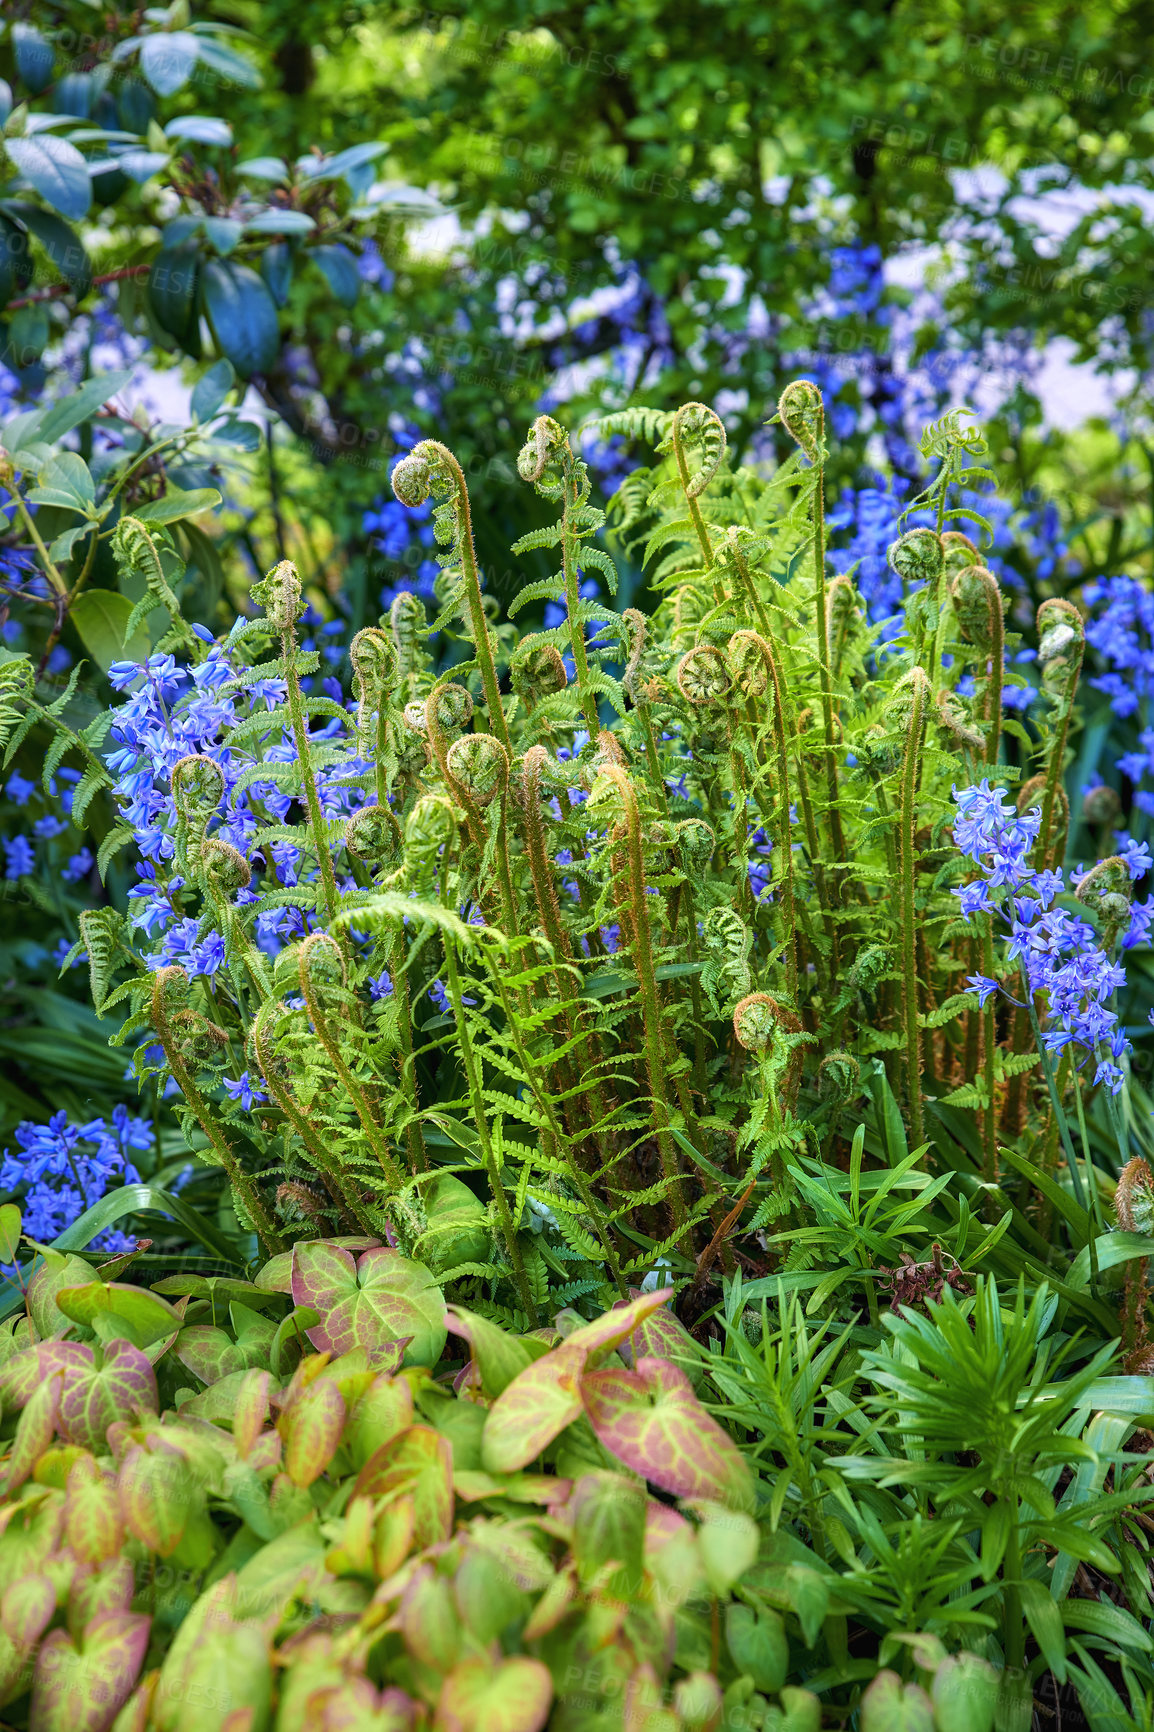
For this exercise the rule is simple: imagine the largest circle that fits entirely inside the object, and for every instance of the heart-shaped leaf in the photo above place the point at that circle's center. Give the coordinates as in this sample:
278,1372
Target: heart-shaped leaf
888,1705
650,1419
380,1298
92,1521
82,1686
420,1463
36,1429
57,1270
535,1408
546,1397
513,1696
27,1609
121,1388
216,1661
311,1429
158,1494
208,1353
382,1413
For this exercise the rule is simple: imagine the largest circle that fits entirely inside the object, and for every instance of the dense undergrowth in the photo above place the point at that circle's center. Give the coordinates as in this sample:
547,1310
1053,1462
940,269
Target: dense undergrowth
683,1050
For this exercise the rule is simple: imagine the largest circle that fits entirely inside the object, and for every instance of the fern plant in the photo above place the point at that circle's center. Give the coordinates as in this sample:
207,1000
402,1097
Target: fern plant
577,950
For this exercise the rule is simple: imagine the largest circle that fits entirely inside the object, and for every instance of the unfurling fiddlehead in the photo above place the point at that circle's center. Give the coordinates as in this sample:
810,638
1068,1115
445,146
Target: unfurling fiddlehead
1062,642
431,471
978,606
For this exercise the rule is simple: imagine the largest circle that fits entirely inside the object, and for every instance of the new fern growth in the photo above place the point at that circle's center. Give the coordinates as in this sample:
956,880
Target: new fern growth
616,922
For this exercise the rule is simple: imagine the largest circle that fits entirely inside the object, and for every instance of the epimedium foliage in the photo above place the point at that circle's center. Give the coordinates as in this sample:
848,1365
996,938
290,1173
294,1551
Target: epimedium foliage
326,1497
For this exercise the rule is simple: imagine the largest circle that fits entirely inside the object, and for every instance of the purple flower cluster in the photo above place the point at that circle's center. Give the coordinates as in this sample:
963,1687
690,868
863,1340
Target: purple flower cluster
173,711
1121,629
60,1169
1058,953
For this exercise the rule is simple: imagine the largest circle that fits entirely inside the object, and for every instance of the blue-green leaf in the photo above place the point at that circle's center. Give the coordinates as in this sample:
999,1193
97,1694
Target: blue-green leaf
57,171
167,59
211,389
340,268
200,128
242,315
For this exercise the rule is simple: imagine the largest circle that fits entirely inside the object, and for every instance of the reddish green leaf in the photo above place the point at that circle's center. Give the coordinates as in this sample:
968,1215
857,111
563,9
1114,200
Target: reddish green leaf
109,1589
91,1511
429,1621
58,1270
208,1353
544,1398
420,1463
382,1412
513,1696
250,1409
619,1323
158,1495
311,1429
82,1686
36,1429
276,1276
650,1419
608,1514
535,1408
488,1595
122,1387
217,1663
380,1298
661,1336
27,1609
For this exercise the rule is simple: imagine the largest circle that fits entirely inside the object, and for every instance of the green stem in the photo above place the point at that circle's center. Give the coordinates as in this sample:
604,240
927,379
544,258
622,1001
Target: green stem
907,864
1059,1113
300,727
656,1064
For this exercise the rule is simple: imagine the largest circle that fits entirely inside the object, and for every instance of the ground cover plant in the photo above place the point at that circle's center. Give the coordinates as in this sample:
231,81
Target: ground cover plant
663,1226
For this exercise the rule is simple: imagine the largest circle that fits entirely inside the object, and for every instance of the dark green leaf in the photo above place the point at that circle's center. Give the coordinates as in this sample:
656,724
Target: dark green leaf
241,313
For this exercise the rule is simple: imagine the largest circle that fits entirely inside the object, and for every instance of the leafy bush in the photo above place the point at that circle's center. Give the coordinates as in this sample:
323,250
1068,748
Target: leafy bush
567,969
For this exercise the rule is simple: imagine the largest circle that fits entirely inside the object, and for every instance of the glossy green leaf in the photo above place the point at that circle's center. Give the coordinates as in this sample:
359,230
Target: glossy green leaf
242,315
55,169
